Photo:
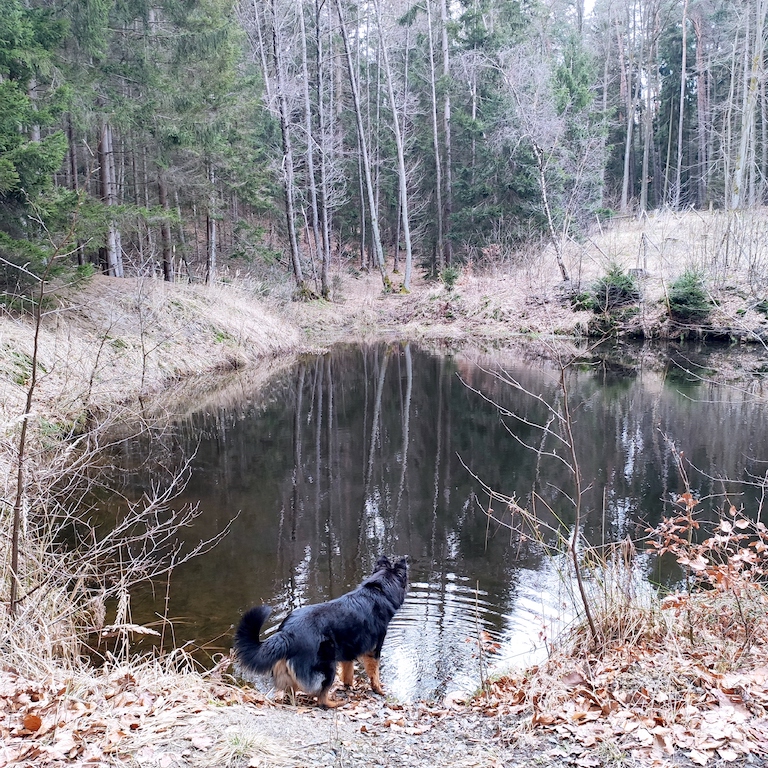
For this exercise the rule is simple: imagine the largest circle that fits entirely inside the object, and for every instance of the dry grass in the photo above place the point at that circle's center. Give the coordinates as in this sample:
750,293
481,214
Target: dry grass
688,671
651,691
116,340
522,293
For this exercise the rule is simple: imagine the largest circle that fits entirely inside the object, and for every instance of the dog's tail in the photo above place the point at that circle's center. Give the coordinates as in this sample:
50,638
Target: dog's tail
254,655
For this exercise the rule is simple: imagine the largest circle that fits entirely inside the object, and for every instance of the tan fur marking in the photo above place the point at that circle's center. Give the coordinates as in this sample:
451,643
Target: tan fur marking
283,677
347,673
371,665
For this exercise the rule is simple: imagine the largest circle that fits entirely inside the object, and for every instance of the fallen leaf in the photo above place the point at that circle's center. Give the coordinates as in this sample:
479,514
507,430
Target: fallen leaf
32,722
587,762
700,758
573,679
417,730
201,742
455,699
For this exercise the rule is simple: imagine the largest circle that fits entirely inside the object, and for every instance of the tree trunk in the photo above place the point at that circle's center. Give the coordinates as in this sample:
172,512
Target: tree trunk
288,178
262,49
681,111
182,237
311,142
436,146
402,177
73,180
447,133
744,167
650,31
702,119
211,228
322,129
632,99
114,255
540,159
165,228
364,157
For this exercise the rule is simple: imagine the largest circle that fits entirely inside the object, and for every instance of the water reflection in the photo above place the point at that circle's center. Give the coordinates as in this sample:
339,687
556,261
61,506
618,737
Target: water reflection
364,451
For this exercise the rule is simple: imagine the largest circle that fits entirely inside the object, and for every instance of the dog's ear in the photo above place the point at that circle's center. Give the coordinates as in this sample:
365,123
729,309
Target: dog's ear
383,562
401,566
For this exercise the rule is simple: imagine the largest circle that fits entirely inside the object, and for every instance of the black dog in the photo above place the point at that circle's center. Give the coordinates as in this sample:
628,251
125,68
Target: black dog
304,651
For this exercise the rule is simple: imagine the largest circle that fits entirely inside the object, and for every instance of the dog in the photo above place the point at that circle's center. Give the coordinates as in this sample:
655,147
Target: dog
304,652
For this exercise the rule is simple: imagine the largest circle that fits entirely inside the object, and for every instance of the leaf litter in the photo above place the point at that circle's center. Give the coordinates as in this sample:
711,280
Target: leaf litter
635,701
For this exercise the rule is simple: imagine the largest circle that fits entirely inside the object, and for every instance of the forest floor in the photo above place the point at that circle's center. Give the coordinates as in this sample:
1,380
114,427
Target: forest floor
112,345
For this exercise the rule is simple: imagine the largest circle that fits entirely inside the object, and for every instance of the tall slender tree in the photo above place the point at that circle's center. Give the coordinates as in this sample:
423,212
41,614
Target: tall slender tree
364,153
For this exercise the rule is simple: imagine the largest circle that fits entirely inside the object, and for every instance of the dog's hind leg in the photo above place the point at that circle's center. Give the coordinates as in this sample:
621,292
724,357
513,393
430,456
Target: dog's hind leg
328,672
347,674
371,664
284,680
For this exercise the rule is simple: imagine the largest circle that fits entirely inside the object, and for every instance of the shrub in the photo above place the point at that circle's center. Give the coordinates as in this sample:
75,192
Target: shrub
616,289
450,276
688,301
583,301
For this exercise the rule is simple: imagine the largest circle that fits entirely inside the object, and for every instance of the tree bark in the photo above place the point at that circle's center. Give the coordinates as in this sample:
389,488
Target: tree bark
632,100
447,132
325,203
744,167
402,177
650,30
681,110
165,228
702,117
211,228
311,142
114,255
436,146
288,167
364,157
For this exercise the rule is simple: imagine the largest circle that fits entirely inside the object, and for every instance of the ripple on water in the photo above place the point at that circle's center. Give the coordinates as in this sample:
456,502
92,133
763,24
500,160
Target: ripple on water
432,647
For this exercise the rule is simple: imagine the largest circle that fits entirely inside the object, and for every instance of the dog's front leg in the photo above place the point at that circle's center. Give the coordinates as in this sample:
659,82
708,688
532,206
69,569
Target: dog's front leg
371,664
325,700
347,674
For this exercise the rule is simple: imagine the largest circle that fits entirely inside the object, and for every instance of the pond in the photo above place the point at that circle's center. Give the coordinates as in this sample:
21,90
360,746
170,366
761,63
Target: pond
390,449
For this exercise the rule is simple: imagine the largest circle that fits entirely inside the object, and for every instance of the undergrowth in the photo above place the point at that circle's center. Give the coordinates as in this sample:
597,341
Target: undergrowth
688,301
722,606
613,291
718,610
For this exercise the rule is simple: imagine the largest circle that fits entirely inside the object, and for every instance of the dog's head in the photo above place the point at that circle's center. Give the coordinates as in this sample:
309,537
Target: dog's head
391,577
400,566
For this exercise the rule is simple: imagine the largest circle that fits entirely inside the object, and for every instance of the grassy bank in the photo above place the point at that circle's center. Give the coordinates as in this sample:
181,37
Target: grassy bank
113,341
722,253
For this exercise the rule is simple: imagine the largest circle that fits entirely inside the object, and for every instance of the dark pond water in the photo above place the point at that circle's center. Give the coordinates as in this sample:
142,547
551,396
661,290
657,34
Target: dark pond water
377,450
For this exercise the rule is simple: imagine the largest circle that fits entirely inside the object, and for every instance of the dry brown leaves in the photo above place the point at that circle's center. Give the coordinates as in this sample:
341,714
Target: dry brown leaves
643,701
91,718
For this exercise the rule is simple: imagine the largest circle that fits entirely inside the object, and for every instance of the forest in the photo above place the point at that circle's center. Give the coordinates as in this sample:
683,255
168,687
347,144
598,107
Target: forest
204,139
